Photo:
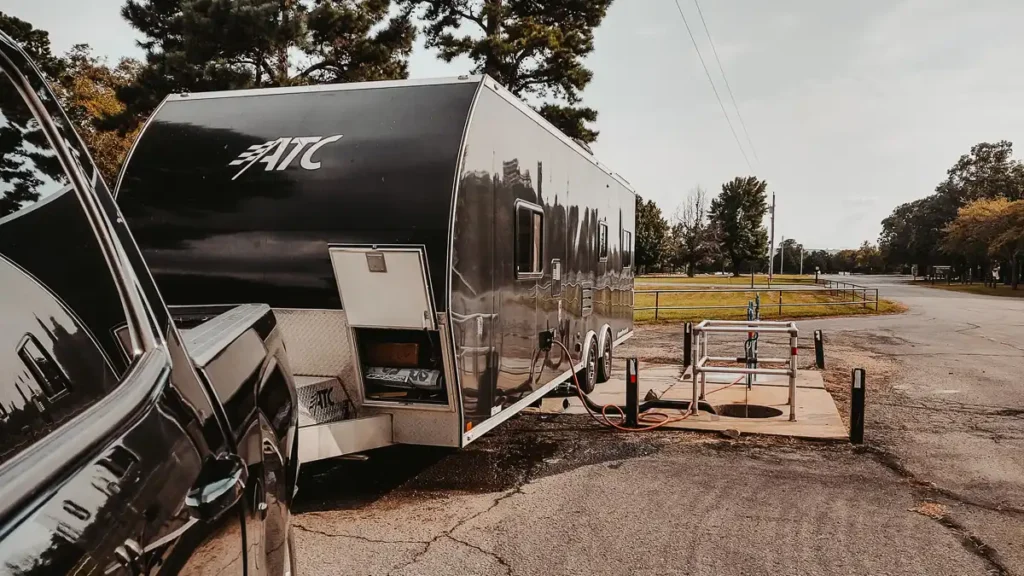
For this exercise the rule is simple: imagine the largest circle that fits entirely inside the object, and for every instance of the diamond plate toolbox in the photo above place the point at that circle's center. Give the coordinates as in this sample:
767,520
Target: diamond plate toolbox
321,400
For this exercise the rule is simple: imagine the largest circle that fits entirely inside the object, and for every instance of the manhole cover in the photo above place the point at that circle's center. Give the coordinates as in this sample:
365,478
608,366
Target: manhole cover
747,411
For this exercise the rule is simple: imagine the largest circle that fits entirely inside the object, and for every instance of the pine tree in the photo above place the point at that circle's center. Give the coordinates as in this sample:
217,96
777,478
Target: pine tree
202,45
533,48
738,213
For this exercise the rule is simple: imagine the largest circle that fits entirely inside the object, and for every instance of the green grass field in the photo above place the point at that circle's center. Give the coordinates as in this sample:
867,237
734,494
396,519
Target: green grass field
815,305
981,289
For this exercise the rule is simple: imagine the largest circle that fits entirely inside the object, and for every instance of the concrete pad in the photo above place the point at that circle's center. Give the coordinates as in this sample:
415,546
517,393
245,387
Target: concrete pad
656,377
816,414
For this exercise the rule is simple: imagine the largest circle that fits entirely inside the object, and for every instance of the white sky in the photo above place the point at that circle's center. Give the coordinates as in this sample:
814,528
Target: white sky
853,106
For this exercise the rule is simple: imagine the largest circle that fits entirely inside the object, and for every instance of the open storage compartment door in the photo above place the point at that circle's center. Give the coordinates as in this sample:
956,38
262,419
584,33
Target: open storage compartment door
401,345
386,295
384,287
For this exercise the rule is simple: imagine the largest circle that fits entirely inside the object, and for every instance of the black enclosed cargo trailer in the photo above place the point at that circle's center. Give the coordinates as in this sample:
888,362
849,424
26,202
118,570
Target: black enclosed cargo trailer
416,240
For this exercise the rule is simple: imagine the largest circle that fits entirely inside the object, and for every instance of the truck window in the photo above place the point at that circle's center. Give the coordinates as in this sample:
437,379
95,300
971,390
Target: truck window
529,234
29,169
57,297
602,240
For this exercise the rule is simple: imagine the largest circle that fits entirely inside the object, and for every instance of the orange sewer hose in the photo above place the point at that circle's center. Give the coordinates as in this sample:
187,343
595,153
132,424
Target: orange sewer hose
644,417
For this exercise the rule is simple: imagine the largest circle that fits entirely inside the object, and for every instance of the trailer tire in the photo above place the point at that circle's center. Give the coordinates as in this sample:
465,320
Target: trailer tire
604,363
588,375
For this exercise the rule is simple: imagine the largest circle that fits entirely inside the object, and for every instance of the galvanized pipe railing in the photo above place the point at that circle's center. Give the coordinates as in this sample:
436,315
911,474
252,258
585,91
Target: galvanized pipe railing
700,351
857,296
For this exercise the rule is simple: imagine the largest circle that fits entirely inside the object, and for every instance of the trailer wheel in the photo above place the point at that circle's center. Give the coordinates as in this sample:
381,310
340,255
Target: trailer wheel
588,375
604,365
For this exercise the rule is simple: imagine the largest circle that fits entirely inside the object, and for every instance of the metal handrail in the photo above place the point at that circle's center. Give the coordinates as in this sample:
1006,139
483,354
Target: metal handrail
859,295
700,351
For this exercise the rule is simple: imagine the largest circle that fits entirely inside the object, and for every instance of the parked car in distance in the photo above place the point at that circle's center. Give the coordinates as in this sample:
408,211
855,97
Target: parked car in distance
134,438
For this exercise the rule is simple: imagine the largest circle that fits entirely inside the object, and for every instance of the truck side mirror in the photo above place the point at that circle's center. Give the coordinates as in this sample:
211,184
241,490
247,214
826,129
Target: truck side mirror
219,487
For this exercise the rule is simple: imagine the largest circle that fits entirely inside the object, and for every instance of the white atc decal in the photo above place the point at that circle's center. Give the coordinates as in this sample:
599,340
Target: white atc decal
279,154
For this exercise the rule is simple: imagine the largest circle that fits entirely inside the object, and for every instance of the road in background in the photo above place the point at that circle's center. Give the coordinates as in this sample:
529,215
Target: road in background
955,414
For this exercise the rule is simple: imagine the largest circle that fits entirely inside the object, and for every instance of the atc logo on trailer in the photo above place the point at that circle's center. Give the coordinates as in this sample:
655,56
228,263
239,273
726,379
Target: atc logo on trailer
279,154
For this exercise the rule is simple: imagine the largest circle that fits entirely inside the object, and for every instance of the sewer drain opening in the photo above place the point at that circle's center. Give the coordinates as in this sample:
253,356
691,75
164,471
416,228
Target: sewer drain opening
747,411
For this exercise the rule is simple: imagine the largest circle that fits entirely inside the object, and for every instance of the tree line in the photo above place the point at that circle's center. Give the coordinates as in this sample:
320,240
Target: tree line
727,233
535,49
973,222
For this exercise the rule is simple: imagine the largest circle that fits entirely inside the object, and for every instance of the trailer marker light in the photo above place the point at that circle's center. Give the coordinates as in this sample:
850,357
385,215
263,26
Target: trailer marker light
469,426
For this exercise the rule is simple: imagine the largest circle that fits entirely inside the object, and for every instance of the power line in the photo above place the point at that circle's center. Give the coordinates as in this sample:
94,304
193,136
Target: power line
717,97
724,77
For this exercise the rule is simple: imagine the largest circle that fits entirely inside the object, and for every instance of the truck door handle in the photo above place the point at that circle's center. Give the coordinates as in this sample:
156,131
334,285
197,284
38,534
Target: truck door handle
129,557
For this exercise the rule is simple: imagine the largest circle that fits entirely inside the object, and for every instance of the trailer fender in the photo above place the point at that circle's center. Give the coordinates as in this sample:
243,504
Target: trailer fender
604,366
606,333
591,335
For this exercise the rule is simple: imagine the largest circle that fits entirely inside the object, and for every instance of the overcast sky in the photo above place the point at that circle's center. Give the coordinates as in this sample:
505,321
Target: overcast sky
853,106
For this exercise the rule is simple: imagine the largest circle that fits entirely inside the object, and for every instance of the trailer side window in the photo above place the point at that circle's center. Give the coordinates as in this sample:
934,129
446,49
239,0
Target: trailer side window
529,234
627,249
602,240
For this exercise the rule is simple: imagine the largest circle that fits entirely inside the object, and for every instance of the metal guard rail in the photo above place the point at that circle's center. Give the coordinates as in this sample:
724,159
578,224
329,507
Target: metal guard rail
700,352
834,289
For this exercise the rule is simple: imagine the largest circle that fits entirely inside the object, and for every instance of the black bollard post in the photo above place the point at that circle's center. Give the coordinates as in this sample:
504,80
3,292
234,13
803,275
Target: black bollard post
819,350
687,344
632,393
857,406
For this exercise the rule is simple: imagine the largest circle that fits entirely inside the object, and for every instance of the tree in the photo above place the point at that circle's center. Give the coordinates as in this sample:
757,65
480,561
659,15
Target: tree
690,233
989,171
88,92
819,260
651,234
201,45
845,261
35,43
739,211
989,228
912,233
533,48
86,88
790,264
868,259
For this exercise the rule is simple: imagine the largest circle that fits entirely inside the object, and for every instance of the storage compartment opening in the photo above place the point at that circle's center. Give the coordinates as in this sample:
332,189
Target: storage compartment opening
402,365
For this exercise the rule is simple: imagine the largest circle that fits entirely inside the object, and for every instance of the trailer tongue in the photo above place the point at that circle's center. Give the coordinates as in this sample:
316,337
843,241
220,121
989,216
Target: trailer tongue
420,243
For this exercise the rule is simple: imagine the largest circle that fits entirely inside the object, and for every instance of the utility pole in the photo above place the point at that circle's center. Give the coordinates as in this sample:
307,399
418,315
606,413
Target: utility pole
771,245
782,255
801,260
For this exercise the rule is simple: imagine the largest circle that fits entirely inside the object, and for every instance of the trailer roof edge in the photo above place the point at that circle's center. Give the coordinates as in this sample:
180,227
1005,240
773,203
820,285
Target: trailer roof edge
543,122
465,79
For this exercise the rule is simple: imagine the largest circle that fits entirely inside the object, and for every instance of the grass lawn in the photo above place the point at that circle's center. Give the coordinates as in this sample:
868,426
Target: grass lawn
759,280
817,304
1000,290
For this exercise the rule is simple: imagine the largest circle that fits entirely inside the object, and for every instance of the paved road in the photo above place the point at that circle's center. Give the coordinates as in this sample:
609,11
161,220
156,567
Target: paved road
556,495
955,416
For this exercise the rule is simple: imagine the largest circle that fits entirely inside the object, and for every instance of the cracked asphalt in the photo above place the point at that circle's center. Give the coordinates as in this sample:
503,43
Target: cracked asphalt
938,489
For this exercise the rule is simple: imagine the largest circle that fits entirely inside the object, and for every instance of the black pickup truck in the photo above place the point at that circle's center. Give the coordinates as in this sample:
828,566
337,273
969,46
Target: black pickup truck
134,438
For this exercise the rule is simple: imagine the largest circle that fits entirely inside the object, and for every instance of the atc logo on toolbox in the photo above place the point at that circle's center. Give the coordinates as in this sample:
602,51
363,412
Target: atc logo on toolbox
281,153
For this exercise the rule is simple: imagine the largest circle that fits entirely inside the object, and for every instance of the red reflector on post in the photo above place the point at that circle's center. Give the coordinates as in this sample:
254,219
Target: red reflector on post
794,351
632,378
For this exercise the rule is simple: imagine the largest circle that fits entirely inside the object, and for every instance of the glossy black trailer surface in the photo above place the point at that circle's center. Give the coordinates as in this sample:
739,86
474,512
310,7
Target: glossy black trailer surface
106,427
243,196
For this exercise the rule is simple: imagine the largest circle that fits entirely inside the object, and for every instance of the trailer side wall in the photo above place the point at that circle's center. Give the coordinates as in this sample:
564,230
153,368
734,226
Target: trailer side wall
513,160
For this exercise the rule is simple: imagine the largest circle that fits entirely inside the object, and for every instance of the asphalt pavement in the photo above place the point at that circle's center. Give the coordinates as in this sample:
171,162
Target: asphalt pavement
938,489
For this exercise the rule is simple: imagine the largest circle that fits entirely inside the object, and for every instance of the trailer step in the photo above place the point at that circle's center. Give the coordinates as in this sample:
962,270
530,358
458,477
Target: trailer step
344,437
